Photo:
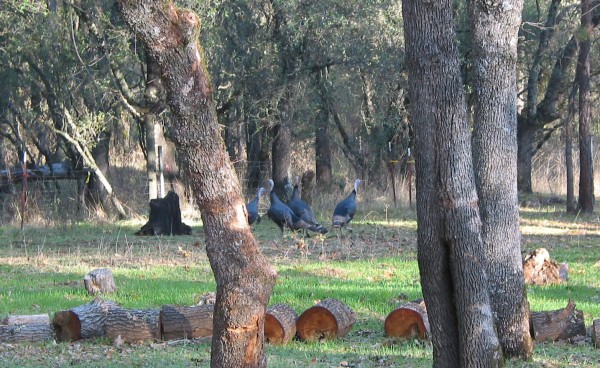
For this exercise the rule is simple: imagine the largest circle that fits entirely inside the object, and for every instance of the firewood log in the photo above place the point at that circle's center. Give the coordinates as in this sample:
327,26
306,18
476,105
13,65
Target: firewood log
280,324
133,325
26,333
596,333
33,319
84,321
99,281
409,320
186,322
329,319
557,325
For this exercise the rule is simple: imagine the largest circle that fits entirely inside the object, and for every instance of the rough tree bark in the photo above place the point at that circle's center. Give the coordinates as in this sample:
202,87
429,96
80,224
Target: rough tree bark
450,247
244,277
322,144
586,167
494,58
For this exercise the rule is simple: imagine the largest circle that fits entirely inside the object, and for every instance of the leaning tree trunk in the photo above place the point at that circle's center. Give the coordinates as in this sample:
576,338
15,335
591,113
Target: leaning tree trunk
586,168
244,277
450,248
494,57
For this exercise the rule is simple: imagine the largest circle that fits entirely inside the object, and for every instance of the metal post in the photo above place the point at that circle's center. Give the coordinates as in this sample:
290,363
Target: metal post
160,173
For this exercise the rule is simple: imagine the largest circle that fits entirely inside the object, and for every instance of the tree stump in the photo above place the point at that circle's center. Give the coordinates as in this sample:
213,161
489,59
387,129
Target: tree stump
596,333
539,269
186,322
32,328
99,281
328,319
165,218
83,322
133,325
557,325
409,320
280,324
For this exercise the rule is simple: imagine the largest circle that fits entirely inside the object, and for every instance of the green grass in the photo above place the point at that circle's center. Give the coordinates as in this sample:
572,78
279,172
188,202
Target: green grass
370,269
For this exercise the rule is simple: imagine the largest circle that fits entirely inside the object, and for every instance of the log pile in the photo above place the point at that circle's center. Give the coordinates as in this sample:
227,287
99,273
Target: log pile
561,324
539,269
186,322
409,320
133,325
329,319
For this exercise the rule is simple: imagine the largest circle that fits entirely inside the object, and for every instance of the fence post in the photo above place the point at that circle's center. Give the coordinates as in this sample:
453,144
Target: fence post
160,172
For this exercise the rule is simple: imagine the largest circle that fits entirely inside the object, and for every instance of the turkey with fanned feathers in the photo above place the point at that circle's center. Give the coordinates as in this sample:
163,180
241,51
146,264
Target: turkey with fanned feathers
252,208
283,216
344,211
302,209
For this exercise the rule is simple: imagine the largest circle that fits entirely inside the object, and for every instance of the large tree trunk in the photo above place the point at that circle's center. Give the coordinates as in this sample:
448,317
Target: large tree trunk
568,130
450,248
494,57
153,99
586,168
244,277
281,154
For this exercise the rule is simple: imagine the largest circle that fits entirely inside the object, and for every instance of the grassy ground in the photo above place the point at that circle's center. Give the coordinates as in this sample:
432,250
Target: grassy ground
370,269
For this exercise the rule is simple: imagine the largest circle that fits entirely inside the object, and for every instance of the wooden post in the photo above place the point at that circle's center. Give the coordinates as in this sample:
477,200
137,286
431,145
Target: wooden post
328,319
161,173
280,324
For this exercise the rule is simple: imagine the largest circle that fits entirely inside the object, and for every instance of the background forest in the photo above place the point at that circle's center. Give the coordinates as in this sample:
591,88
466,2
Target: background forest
315,89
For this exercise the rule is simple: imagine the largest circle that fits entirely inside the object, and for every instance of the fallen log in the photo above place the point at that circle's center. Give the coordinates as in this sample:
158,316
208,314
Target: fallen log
556,325
133,325
33,319
596,333
408,320
26,333
186,322
539,269
99,281
84,321
329,319
280,324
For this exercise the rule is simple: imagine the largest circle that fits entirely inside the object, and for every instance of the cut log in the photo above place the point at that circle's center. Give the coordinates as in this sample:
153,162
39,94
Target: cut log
34,319
186,322
596,333
556,325
328,319
165,217
133,325
26,333
539,269
409,320
99,281
83,322
280,324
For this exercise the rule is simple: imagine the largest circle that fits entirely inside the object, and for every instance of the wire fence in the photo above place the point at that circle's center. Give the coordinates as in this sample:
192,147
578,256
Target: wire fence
41,196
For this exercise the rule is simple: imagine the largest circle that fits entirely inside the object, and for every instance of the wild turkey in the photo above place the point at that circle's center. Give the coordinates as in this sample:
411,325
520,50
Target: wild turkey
302,209
283,216
344,211
252,208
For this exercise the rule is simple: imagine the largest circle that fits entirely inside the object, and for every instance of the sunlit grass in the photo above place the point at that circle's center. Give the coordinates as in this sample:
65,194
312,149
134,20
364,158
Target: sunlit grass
370,269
